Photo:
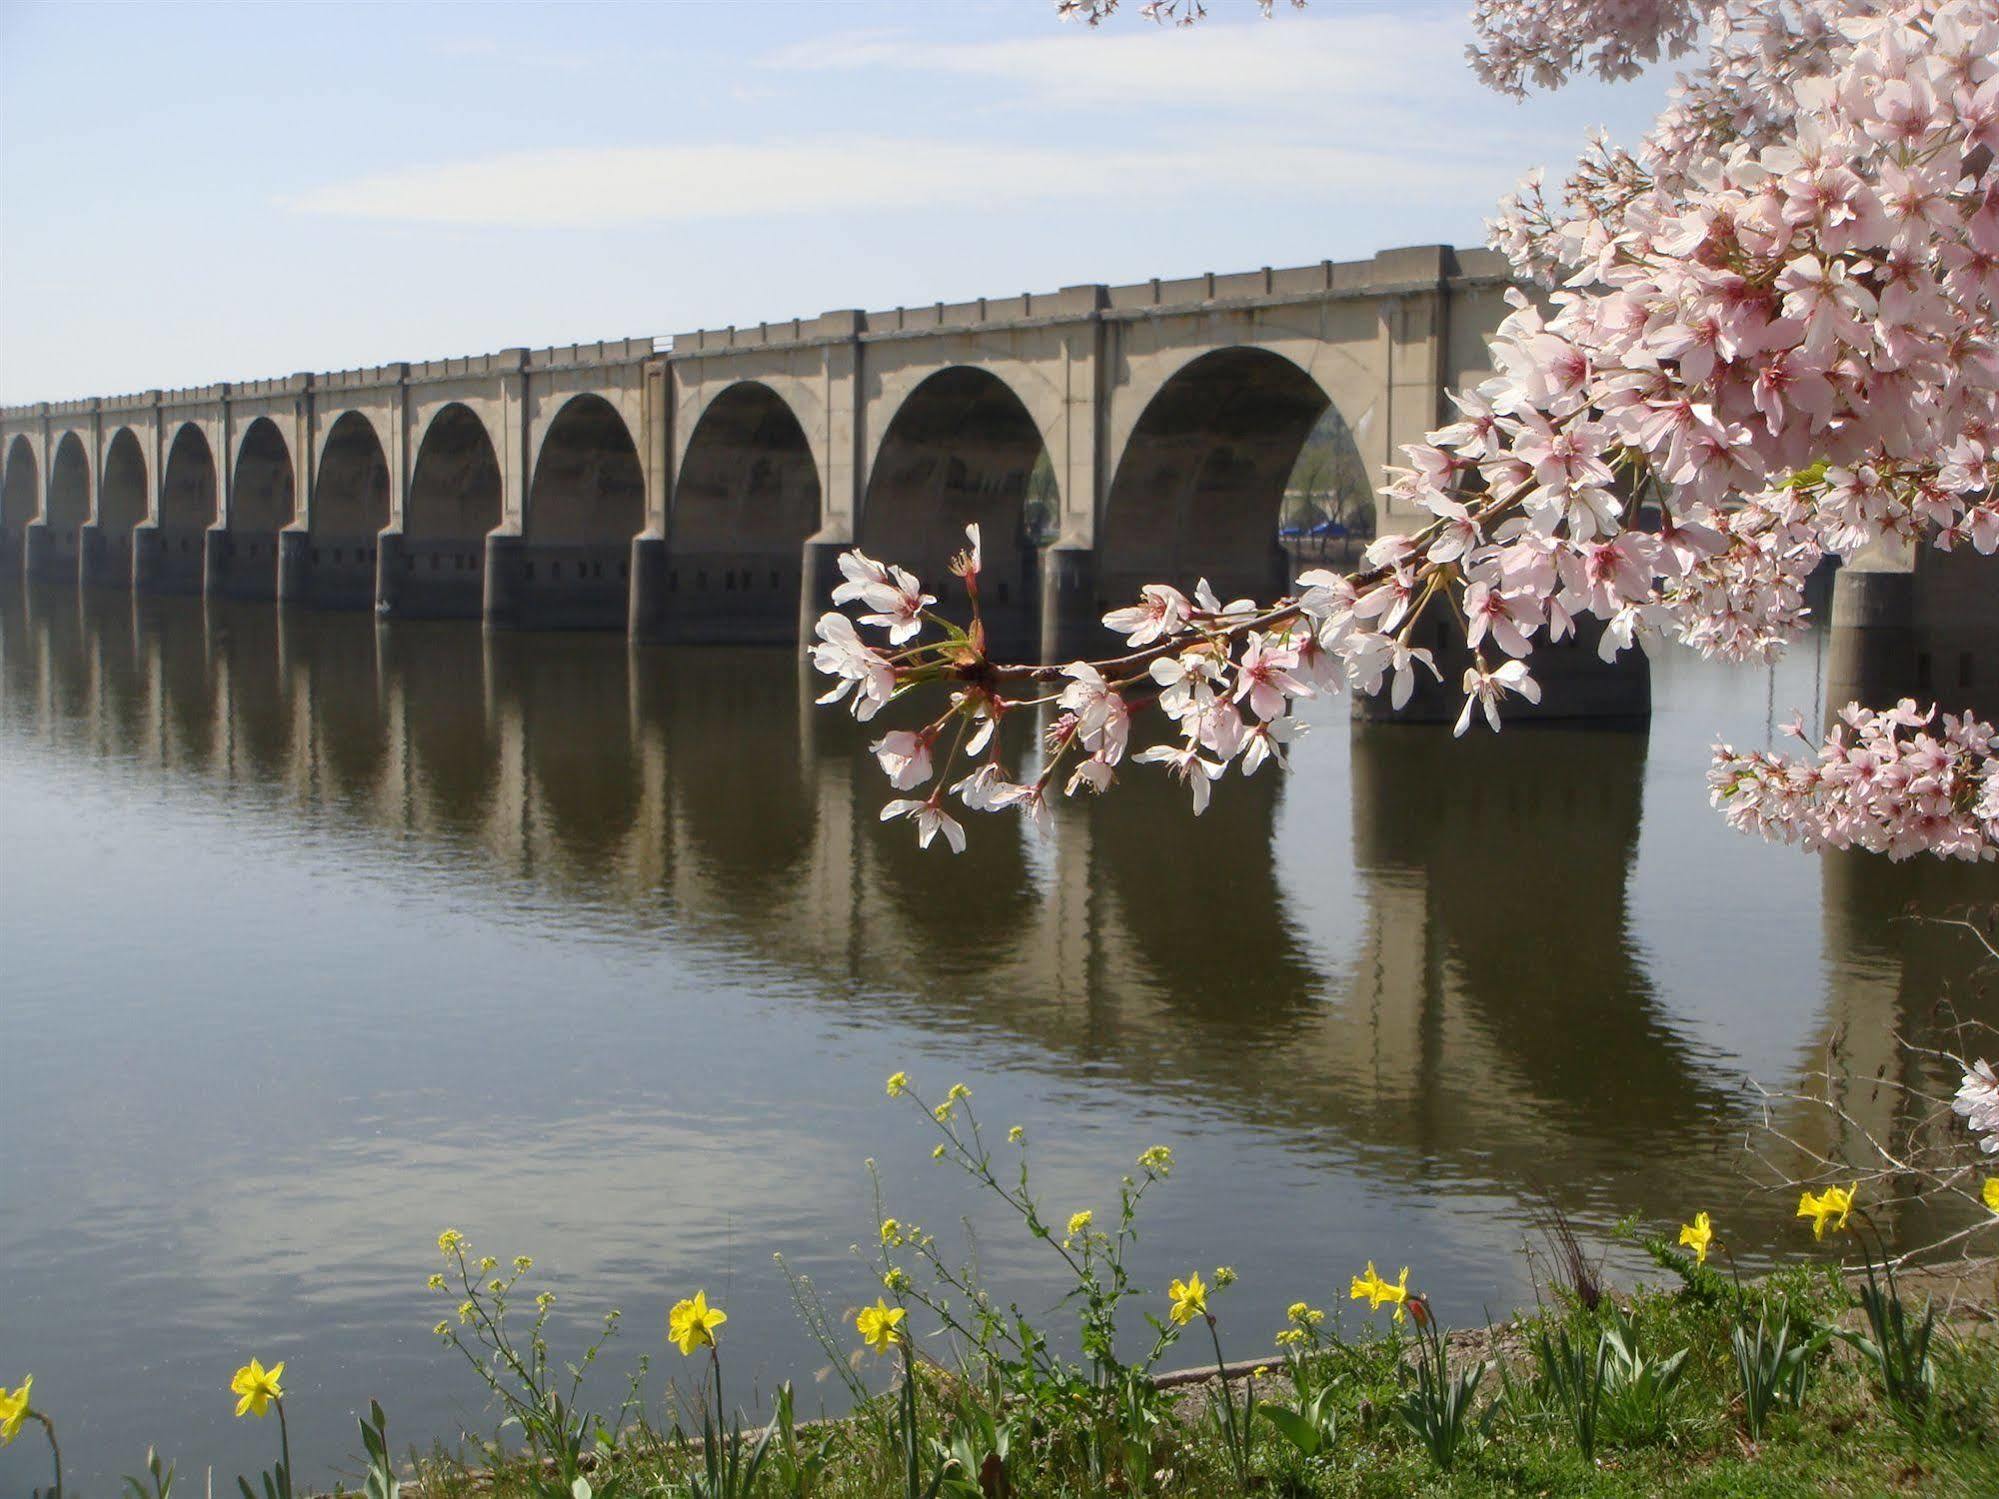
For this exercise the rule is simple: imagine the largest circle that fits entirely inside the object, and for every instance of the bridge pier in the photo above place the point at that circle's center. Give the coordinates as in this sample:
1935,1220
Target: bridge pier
104,557
648,620
51,554
240,566
421,577
1072,625
818,576
545,585
1576,683
1915,623
294,567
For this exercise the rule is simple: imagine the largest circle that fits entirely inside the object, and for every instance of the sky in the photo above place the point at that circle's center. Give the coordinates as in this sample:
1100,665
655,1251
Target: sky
191,193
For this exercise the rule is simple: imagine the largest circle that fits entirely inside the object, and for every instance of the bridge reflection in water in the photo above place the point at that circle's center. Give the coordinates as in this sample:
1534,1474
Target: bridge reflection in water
1420,975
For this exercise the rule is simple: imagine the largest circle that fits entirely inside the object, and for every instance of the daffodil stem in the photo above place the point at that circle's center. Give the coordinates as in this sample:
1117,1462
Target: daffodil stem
55,1448
284,1451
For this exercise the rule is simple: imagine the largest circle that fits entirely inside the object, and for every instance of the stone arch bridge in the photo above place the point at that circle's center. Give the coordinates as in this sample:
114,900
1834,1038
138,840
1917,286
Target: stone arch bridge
699,488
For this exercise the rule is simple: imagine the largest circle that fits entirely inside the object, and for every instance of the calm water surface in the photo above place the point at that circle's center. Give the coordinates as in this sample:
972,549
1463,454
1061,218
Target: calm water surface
317,936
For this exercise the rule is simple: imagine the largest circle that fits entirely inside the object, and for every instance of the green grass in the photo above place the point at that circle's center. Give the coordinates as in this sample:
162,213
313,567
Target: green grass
1843,1441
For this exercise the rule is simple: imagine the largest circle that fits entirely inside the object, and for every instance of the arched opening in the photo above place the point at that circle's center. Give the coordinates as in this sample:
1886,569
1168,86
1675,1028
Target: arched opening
187,510
69,488
585,504
54,544
455,498
748,496
960,449
121,506
1328,513
262,502
350,508
20,491
1199,489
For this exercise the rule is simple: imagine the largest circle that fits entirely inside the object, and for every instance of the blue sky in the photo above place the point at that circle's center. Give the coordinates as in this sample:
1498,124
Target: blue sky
218,192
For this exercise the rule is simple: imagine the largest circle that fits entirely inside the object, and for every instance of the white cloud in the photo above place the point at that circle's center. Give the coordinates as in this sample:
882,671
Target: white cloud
1400,55
601,187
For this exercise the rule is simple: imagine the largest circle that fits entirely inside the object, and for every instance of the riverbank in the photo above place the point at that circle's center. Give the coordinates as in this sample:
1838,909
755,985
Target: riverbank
1349,1413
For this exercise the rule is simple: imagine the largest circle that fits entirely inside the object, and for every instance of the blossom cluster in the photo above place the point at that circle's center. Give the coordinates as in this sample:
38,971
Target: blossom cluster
1901,782
1768,338
1545,42
1977,1103
1180,12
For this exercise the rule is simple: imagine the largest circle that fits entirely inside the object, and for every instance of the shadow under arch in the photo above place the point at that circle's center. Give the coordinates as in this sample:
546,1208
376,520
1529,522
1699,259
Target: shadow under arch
961,448
20,490
53,554
263,500
121,509
187,510
585,504
350,509
1199,488
456,497
746,499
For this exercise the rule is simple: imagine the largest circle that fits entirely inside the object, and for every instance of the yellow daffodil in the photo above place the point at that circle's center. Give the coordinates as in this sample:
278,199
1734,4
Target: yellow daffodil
1190,1299
877,1325
451,1241
1372,1289
898,1084
1992,1193
14,1410
1697,1236
692,1324
1079,1223
258,1387
1822,1206
1158,1161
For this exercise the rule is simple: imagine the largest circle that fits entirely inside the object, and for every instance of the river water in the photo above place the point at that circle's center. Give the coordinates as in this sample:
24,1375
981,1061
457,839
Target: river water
317,936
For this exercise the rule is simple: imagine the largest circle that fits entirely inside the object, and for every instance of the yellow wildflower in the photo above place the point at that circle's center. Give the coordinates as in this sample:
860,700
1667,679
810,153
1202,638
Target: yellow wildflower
896,1279
496,1285
465,1310
692,1324
436,1282
942,1113
1158,1161
1015,1135
258,1386
1079,1223
1697,1236
442,1329
1820,1207
955,1092
451,1241
891,1231
1992,1193
1372,1289
937,1153
1290,1337
14,1410
487,1264
877,1325
1190,1299
1295,1312
546,1300
522,1264
1225,1275
898,1084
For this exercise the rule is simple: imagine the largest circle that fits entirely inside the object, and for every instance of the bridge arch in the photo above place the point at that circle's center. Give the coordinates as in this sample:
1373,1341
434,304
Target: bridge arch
746,498
69,487
962,447
350,499
456,492
1199,485
187,510
121,508
20,490
263,498
589,487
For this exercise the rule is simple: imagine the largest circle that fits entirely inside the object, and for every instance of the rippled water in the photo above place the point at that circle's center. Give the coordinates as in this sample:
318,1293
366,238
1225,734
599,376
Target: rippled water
317,936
